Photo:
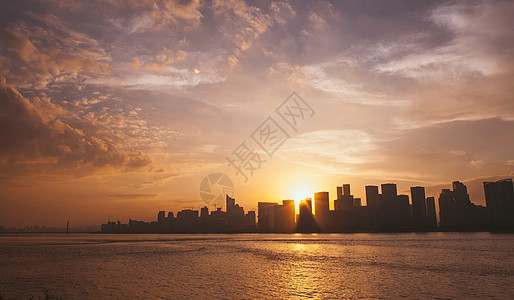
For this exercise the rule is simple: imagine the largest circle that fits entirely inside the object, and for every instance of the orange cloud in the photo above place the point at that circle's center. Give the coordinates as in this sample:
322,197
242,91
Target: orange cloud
38,135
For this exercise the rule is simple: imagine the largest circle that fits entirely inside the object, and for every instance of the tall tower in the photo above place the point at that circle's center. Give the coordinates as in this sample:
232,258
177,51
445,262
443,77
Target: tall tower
389,207
321,203
499,198
419,206
305,219
373,204
431,215
321,208
231,203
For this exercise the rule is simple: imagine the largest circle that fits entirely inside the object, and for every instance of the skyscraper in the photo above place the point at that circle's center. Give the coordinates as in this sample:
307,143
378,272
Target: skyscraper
346,189
204,212
389,208
321,208
266,216
230,203
456,209
285,217
419,206
345,200
372,203
321,203
499,197
161,216
305,218
431,214
446,208
404,211
339,192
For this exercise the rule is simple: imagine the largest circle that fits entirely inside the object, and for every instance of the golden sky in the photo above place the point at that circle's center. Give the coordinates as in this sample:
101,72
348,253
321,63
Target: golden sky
118,109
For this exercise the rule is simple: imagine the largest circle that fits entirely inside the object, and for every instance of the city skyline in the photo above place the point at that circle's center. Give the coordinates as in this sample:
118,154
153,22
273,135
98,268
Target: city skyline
384,211
121,108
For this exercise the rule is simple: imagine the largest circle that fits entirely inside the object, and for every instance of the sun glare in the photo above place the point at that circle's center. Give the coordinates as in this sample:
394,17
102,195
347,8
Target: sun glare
299,195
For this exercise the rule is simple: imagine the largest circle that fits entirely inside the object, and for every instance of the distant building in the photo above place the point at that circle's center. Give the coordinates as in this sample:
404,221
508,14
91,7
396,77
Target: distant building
250,218
161,217
419,206
266,216
204,212
499,198
456,210
305,222
344,199
431,214
321,208
389,208
285,217
404,211
372,203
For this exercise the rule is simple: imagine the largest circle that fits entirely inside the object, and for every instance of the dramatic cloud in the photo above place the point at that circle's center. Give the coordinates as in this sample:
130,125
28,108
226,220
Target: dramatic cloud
39,135
56,59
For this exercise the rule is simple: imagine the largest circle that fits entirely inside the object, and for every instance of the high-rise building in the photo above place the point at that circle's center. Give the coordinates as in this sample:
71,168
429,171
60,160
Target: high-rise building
456,209
204,212
285,217
266,216
230,203
161,216
389,208
321,208
306,206
321,203
499,198
446,208
250,218
431,214
344,199
372,204
305,221
404,211
346,189
419,206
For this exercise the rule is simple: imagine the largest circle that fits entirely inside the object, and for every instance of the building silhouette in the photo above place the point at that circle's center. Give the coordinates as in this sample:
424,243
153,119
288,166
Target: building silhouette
389,208
266,216
431,214
419,206
192,221
321,210
285,217
383,212
499,198
305,218
456,210
372,201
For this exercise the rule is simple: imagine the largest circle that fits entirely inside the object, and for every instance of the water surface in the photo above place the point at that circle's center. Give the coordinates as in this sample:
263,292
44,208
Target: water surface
249,266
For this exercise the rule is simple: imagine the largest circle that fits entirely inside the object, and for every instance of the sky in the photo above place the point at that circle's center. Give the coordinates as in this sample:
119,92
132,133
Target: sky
115,109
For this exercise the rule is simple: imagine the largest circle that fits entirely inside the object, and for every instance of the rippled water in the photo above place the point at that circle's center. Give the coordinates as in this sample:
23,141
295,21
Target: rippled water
249,266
